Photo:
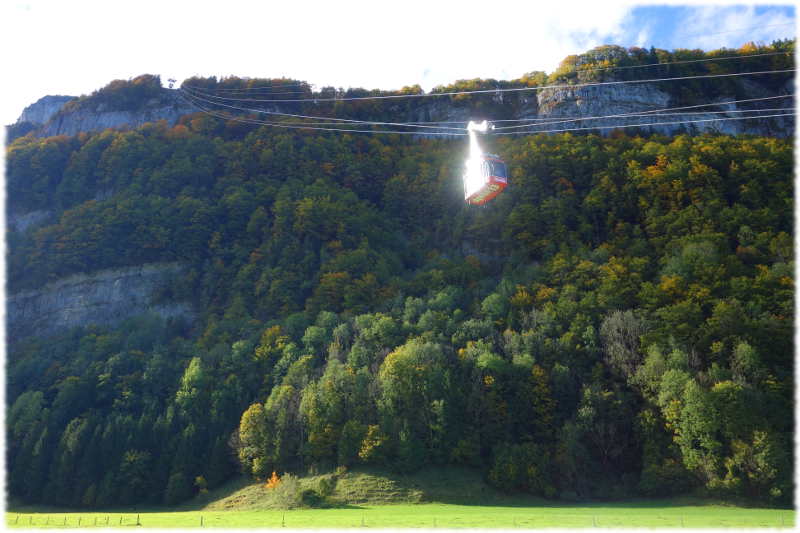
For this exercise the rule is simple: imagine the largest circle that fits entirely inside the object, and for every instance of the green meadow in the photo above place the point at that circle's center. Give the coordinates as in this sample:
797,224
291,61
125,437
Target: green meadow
649,513
436,498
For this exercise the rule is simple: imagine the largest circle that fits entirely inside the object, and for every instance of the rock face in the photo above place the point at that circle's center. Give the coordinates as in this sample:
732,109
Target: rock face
595,101
555,108
106,297
22,222
168,107
43,109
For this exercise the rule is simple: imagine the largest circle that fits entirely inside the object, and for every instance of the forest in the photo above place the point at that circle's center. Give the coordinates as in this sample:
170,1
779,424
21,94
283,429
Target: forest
617,323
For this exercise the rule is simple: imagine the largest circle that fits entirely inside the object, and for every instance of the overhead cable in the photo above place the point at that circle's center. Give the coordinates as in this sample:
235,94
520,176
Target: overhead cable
714,104
309,127
543,121
513,89
276,113
618,126
647,112
577,70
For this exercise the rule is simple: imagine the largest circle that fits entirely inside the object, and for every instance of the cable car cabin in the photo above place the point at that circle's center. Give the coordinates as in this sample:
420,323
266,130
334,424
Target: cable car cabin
488,181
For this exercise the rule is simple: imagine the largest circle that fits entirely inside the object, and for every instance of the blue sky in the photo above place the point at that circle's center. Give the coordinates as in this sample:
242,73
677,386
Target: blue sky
76,47
708,27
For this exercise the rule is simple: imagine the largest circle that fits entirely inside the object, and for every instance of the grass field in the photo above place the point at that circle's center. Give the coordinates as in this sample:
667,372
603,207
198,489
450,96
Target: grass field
433,515
434,498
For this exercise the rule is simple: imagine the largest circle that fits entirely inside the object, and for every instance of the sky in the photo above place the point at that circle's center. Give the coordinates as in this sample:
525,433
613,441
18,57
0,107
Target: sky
75,47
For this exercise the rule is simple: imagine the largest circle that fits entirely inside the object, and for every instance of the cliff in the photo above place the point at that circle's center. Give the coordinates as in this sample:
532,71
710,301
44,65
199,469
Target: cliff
23,221
97,116
594,101
105,297
43,109
55,116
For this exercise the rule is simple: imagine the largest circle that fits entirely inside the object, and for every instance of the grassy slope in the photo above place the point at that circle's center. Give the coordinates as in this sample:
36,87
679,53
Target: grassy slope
431,498
369,487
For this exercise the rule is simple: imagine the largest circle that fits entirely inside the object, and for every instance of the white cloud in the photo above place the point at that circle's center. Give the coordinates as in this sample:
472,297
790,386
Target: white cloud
714,27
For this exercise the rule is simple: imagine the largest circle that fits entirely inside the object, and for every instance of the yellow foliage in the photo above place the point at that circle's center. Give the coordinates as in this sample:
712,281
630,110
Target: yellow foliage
522,298
698,293
614,269
749,47
372,445
671,285
672,413
544,294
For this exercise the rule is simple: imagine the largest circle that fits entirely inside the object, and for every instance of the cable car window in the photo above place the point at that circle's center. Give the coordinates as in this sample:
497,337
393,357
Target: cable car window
499,169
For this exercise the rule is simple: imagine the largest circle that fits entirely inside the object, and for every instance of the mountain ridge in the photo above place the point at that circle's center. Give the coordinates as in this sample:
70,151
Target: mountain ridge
58,115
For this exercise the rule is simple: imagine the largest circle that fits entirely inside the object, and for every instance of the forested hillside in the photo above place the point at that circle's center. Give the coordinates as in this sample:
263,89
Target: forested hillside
617,323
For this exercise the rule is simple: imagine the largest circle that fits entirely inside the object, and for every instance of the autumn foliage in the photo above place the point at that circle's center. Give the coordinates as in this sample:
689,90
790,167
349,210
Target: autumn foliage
273,481
618,323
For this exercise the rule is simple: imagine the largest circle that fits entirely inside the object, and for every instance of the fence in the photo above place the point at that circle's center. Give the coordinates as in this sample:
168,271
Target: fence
41,520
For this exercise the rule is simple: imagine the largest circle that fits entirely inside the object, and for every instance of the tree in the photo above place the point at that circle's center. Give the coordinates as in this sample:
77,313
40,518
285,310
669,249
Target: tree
134,474
253,440
621,332
411,378
178,489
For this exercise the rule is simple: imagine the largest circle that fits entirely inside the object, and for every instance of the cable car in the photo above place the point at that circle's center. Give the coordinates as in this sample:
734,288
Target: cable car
488,182
486,174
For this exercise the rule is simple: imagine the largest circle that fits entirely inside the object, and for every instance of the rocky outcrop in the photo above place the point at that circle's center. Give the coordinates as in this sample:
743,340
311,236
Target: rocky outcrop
555,108
88,118
624,105
22,222
560,106
105,297
43,109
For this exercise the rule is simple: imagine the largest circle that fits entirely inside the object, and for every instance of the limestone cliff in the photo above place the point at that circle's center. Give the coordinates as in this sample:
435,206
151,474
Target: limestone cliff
99,116
43,109
561,105
105,297
549,106
557,110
